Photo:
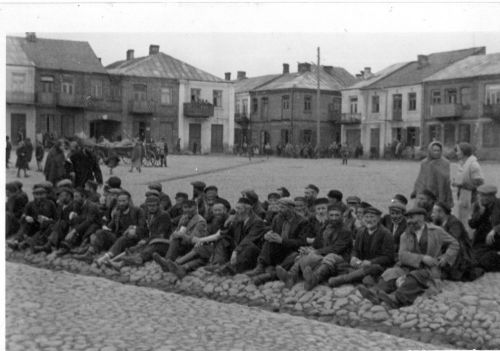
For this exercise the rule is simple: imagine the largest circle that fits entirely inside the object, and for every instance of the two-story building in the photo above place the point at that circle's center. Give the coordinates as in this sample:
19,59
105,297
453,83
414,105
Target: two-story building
20,88
462,103
70,84
163,97
399,97
284,110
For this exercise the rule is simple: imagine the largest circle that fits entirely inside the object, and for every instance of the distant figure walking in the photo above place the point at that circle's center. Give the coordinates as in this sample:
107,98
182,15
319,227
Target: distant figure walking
22,159
136,157
9,150
39,154
267,149
55,165
29,152
344,152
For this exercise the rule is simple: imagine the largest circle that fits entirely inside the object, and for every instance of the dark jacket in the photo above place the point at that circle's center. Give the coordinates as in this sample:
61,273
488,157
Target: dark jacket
387,222
87,215
16,204
377,248
55,166
314,227
29,151
484,223
240,234
175,213
39,152
334,239
45,208
22,157
86,167
121,221
159,225
298,230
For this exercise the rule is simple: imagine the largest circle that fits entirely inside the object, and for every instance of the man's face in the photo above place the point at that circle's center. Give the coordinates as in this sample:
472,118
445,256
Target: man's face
352,206
370,220
333,201
64,198
38,196
241,210
436,151
423,201
77,197
189,210
415,222
211,195
153,207
437,215
218,210
309,194
284,209
486,199
123,202
335,216
396,215
179,200
300,206
321,210
196,192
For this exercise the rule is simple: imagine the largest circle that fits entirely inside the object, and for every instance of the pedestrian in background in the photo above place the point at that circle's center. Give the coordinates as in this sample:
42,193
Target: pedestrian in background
39,153
9,150
136,157
344,152
55,168
29,152
22,159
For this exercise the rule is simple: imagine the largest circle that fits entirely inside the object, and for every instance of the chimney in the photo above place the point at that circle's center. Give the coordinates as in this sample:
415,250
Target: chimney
130,54
304,67
328,69
286,68
241,75
100,61
154,49
228,75
31,36
367,73
423,60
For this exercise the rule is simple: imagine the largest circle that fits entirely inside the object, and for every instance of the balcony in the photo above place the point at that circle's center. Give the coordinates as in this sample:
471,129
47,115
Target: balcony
242,119
71,100
45,98
446,110
492,111
198,109
20,97
142,107
350,118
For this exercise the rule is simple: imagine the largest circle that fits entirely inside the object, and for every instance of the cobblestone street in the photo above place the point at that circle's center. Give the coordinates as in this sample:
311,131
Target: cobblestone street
48,310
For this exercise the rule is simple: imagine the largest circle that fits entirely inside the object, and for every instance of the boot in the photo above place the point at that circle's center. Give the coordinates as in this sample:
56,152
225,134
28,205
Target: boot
80,250
193,265
290,278
47,248
175,268
87,256
314,278
352,277
227,269
369,294
257,270
103,259
161,261
132,260
263,278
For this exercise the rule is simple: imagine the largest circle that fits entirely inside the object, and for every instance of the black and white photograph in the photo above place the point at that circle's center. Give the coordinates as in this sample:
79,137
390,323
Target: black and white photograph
251,176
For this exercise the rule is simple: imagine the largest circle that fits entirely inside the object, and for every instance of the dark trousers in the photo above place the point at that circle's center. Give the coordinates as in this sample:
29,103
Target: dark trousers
123,243
147,252
487,258
273,254
246,257
414,285
102,240
177,248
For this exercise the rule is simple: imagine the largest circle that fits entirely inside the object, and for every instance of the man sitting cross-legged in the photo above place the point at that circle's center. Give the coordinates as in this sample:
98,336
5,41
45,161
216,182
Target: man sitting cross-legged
425,249
203,247
191,226
332,240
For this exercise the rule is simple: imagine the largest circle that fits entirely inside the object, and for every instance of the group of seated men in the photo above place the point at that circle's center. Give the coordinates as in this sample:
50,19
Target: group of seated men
396,256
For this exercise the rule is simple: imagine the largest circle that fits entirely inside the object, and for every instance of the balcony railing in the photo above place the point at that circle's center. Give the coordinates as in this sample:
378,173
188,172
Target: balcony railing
350,118
142,106
241,118
45,98
20,97
446,110
71,100
492,111
198,109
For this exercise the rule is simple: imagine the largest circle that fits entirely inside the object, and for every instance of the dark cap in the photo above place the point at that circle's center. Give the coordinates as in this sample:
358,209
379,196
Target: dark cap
115,191
11,187
38,189
64,189
429,194
152,200
444,207
18,183
124,192
287,201
64,182
487,189
401,198
152,193
365,205
155,186
321,201
273,196
198,185
284,190
313,187
245,201
416,211
353,200
212,188
299,198
189,203
335,194
335,208
114,182
373,210
91,183
181,196
47,185
251,195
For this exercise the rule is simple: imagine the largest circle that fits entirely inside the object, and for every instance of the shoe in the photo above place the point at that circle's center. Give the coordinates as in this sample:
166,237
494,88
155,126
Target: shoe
263,278
177,269
80,250
226,270
161,261
369,294
282,274
256,271
132,260
87,257
103,259
115,265
310,279
389,299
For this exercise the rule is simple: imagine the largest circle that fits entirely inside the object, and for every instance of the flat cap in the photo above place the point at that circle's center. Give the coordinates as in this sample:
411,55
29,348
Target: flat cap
124,192
287,201
401,198
64,182
189,203
181,196
64,189
212,188
429,194
114,182
416,211
273,196
397,205
313,187
245,201
284,191
11,187
155,186
153,193
299,198
251,195
47,185
38,189
335,194
321,201
444,207
365,204
115,191
353,200
373,210
335,207
198,185
152,200
487,189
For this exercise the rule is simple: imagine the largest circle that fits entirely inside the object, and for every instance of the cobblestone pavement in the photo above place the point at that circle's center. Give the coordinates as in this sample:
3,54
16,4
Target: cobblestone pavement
48,310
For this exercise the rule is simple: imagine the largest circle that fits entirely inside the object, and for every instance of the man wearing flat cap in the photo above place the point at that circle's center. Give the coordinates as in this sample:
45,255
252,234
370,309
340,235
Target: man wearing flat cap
212,196
351,221
271,207
335,197
14,207
310,194
165,202
395,220
175,211
199,197
287,234
485,221
257,208
91,188
426,199
85,166
425,250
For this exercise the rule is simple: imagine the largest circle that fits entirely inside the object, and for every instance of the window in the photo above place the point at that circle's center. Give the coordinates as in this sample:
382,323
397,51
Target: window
465,96
255,105
47,84
237,106
353,102
244,106
285,102
436,97
218,98
412,136
492,94
449,134
307,136
166,96
435,132
68,85
375,104
491,134
96,89
195,95
307,103
397,105
115,92
412,101
451,96
264,107
140,92
18,80
464,133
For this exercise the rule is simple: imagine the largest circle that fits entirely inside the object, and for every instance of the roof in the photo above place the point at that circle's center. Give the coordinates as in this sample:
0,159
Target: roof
160,65
248,84
337,80
16,55
60,54
413,73
473,66
365,83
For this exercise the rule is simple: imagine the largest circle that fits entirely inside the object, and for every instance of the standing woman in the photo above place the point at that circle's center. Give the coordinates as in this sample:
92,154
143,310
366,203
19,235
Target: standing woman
136,157
22,159
469,176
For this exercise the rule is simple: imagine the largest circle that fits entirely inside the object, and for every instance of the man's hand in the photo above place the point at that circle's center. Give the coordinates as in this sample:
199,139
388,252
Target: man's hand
355,262
233,258
365,263
273,237
490,238
309,241
304,250
29,219
105,227
42,218
70,235
72,215
442,262
429,261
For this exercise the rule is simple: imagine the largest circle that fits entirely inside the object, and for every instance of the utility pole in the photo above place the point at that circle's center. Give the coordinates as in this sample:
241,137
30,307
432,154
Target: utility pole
318,110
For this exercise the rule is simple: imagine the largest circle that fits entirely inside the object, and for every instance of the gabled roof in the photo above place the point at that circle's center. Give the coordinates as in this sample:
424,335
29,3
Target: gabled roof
65,55
16,55
413,73
365,83
248,84
337,80
472,66
160,65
